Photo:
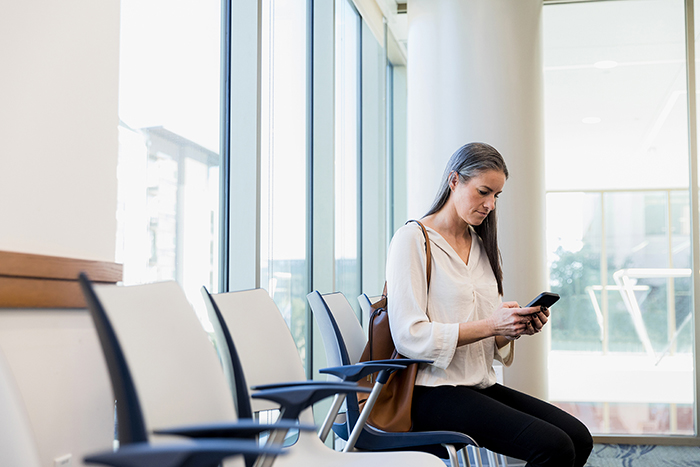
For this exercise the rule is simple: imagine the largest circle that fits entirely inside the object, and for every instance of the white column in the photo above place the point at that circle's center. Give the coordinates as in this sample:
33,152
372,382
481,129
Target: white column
475,74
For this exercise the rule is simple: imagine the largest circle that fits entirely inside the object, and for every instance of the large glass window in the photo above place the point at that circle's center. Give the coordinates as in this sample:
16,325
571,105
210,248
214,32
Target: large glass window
396,131
168,166
389,125
283,162
347,150
618,216
169,148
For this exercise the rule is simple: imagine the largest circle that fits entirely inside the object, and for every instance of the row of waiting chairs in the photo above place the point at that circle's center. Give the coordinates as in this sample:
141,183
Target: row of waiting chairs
169,383
344,341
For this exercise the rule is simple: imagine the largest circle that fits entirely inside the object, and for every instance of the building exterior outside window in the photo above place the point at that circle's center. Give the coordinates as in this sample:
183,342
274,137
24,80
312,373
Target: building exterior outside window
168,166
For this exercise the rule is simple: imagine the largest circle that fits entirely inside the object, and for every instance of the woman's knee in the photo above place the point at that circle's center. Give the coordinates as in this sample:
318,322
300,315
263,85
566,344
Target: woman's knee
579,434
583,444
553,449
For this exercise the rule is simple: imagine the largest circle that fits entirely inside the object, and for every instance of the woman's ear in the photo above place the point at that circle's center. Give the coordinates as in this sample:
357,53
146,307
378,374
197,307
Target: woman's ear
454,180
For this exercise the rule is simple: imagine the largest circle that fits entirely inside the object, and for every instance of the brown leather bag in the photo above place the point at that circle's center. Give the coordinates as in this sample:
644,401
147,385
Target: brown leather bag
392,410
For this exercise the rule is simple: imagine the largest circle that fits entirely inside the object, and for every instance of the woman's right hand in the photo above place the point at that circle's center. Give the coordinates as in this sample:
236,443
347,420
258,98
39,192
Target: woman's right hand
511,321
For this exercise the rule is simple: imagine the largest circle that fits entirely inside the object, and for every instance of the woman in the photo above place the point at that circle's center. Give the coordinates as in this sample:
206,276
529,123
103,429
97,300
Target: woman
462,326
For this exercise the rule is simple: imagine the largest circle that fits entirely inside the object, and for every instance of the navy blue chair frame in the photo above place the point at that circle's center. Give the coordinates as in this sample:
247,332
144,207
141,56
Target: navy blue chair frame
372,439
135,449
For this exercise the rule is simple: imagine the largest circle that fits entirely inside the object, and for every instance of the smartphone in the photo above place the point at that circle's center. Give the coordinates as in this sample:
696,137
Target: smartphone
545,299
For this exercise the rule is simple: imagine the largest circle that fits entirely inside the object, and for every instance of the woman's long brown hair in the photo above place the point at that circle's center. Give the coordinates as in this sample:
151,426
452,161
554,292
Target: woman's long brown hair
467,162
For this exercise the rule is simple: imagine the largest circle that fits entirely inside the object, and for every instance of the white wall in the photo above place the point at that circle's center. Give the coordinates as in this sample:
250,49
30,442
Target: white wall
58,127
58,192
58,366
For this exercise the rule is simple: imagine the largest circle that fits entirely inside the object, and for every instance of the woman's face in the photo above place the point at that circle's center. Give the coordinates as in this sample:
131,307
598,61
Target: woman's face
475,198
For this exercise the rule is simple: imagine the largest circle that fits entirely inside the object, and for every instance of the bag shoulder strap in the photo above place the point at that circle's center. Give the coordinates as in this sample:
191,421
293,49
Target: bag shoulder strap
428,256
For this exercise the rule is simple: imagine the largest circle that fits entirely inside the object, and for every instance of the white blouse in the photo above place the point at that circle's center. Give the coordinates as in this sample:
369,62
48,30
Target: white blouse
426,325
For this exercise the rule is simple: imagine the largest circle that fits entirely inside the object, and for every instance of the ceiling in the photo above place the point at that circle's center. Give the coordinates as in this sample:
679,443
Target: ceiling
615,91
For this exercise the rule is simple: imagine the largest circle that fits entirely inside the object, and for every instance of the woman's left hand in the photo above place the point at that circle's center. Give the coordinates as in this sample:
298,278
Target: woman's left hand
537,321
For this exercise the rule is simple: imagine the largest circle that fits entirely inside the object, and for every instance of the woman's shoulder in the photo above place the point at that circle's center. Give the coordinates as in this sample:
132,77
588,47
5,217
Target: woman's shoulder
410,232
408,236
406,249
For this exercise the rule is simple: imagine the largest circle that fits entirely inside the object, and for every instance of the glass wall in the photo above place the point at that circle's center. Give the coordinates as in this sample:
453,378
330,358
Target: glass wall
396,128
292,142
168,166
618,215
390,214
347,150
283,162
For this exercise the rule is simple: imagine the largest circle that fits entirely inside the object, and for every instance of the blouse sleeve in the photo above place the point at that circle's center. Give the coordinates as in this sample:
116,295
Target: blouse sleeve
415,336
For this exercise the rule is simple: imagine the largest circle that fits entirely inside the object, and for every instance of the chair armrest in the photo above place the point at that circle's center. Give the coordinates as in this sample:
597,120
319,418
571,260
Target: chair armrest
400,361
289,384
203,453
295,399
359,370
237,429
384,374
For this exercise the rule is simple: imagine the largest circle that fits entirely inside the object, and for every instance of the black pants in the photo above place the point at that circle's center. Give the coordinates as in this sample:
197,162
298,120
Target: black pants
504,421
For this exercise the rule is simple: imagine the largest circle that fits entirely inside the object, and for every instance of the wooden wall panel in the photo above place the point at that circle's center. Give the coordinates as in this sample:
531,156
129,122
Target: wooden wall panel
38,281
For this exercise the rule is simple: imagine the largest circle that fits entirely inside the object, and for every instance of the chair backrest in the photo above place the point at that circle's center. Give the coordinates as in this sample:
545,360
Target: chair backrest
366,307
166,354
17,446
230,361
333,311
336,352
343,337
262,341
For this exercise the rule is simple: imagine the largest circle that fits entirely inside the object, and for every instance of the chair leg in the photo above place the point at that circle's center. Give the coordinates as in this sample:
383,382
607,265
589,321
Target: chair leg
362,419
330,417
452,454
276,438
464,455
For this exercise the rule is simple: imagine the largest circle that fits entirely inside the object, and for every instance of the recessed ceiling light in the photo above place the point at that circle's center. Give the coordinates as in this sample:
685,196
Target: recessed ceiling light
591,120
605,64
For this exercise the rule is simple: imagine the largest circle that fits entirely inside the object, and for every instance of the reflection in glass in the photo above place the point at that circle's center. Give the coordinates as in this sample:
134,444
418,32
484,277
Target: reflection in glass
168,166
574,243
283,162
627,343
639,138
618,232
